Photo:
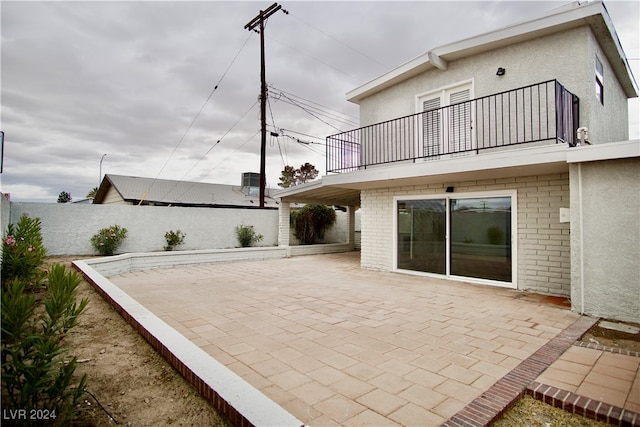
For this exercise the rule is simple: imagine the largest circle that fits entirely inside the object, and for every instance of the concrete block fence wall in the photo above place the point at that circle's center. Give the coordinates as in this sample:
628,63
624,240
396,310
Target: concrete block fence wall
67,228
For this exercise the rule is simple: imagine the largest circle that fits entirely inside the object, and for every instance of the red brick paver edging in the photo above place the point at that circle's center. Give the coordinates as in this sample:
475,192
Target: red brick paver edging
506,391
583,406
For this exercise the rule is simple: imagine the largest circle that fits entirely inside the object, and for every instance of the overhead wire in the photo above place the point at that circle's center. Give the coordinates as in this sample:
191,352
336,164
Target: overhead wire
339,41
205,154
284,163
313,111
230,153
215,88
305,134
307,110
221,138
329,109
316,110
346,74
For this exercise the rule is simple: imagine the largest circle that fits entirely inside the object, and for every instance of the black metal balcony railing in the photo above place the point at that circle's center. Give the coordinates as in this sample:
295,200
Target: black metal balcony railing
543,112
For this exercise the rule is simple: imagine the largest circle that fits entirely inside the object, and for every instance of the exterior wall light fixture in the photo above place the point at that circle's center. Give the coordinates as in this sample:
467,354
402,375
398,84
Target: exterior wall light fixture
500,71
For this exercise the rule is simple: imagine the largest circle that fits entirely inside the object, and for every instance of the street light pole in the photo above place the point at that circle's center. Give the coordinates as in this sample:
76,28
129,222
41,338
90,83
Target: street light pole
100,176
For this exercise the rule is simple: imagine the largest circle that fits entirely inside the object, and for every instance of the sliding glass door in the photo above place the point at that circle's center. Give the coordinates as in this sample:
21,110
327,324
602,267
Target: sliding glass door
421,235
459,236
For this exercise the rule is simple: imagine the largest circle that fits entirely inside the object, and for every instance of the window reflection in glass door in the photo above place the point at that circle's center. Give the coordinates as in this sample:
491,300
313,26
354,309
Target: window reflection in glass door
421,235
478,243
481,238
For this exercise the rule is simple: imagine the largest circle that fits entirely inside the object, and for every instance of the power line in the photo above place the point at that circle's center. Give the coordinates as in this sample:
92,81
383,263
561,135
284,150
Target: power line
205,154
202,107
341,42
351,76
308,109
304,134
207,174
230,153
272,134
221,138
315,103
215,88
313,115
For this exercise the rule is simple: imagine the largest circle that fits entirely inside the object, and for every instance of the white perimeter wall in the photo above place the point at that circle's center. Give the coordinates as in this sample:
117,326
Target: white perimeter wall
67,228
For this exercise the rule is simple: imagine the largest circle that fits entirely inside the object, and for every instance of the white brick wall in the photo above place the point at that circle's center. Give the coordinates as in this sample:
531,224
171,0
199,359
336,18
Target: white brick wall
543,242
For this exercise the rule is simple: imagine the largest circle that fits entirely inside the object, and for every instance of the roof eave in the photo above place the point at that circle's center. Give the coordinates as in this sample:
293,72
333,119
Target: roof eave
561,20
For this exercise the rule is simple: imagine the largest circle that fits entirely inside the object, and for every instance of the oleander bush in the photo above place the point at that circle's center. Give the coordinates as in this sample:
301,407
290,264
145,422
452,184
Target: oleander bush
23,252
37,371
107,240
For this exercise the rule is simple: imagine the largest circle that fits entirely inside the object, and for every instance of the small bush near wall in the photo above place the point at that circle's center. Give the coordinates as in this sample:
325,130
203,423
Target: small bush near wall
173,238
107,240
247,235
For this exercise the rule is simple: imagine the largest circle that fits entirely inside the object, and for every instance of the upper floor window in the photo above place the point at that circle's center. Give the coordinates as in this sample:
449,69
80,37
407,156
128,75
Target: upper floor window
599,81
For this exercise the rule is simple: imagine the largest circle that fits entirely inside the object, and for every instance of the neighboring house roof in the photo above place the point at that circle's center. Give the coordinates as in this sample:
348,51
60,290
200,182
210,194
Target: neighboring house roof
594,14
86,201
164,192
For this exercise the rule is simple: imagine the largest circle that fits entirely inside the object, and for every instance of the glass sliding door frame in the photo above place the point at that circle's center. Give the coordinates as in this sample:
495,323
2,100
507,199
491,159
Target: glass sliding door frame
398,264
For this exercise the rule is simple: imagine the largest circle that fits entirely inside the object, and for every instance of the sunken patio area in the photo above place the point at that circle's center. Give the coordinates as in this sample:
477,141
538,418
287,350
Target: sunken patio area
321,342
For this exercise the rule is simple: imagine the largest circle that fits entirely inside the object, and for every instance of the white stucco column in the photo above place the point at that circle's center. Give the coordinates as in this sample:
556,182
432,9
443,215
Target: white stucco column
284,213
351,225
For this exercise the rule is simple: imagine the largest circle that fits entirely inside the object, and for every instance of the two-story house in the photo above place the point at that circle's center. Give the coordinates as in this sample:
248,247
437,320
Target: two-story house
501,159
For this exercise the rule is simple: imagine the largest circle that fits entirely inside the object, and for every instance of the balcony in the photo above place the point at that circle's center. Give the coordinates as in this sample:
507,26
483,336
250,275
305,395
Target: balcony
542,113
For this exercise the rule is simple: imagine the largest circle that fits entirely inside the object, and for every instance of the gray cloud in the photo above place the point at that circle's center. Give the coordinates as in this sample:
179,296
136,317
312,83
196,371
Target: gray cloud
81,79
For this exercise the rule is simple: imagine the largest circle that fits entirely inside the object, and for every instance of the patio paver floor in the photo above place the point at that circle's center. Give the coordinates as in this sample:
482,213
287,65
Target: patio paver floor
337,345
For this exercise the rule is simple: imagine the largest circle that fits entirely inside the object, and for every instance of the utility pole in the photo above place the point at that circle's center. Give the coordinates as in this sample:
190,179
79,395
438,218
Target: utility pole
258,21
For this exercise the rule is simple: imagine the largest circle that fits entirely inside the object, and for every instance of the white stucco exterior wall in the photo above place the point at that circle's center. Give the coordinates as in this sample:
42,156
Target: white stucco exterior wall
568,57
609,121
605,214
543,241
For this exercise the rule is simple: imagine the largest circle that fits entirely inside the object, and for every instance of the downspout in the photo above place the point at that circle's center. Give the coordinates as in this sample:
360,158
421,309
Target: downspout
581,238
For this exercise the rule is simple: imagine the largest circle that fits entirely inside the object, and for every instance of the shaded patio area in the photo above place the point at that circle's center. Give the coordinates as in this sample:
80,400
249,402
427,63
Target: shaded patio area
337,345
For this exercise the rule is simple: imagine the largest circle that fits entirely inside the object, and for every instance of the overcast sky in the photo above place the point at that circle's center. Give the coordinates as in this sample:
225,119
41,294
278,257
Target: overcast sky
127,79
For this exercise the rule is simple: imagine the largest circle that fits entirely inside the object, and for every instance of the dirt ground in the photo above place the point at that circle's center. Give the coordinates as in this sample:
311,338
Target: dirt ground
133,383
611,338
137,387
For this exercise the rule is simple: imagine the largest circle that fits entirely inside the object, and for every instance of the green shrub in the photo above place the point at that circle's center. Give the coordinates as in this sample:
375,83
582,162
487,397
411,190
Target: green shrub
107,240
36,372
311,221
247,235
173,238
495,235
23,252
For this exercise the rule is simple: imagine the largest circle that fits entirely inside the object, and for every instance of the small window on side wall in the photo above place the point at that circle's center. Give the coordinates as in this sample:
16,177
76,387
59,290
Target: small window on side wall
599,81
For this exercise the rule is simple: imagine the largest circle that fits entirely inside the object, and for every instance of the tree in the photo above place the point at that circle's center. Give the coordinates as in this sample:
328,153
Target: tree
288,177
291,176
92,194
64,197
306,173
311,221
